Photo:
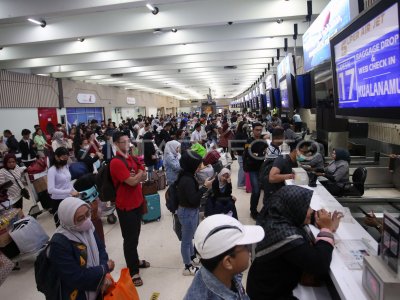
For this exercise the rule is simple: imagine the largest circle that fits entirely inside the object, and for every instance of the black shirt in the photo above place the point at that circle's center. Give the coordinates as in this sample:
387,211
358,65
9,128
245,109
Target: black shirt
285,165
277,277
254,154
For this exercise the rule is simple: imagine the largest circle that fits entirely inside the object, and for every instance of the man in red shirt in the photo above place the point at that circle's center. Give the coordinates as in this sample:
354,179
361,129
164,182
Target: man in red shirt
129,199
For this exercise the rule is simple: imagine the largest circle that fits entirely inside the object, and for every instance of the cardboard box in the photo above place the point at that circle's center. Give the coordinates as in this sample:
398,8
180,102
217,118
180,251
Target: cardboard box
40,184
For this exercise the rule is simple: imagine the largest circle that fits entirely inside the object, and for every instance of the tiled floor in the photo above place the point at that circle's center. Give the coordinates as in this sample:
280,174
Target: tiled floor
158,244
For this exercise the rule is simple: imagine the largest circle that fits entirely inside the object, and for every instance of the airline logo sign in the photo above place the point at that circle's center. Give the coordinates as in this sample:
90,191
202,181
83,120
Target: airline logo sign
130,100
86,98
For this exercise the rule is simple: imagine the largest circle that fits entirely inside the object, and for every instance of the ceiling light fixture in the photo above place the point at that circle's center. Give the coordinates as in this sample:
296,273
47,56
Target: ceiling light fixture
42,23
174,30
80,39
152,8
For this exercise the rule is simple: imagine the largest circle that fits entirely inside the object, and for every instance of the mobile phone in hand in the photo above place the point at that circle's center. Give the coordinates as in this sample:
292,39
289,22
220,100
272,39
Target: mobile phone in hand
364,212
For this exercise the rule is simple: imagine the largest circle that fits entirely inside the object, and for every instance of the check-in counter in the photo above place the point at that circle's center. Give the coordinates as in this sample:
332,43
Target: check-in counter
347,281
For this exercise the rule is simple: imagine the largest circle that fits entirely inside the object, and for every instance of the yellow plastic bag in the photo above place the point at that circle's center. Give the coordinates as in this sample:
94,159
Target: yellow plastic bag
124,289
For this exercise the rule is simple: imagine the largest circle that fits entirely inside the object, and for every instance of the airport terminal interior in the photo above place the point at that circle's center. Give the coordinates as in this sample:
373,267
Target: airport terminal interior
199,149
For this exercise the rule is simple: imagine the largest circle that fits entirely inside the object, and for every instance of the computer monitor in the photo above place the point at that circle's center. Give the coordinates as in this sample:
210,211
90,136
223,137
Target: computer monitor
366,64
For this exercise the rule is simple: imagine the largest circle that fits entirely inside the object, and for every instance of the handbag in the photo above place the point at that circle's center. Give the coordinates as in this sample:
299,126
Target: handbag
149,187
28,235
177,226
124,289
24,192
6,266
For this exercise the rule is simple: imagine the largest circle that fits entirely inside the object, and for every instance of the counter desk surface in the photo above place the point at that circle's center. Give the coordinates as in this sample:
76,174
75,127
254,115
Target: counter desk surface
346,278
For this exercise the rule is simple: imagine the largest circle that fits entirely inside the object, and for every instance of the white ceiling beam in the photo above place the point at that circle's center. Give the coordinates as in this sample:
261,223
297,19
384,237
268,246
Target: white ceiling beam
161,51
179,15
147,39
157,61
174,67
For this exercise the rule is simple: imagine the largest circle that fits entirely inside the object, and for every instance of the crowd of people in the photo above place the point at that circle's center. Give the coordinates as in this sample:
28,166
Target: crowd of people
188,147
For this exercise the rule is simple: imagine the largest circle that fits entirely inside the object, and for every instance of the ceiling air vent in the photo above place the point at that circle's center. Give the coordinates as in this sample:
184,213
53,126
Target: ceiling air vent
117,75
236,83
230,67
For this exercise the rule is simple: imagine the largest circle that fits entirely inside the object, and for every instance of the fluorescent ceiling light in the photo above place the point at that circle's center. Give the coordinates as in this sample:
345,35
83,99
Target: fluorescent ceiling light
42,23
152,8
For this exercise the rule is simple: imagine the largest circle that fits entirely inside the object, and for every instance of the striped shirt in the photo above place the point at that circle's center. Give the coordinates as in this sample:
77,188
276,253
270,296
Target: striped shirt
14,192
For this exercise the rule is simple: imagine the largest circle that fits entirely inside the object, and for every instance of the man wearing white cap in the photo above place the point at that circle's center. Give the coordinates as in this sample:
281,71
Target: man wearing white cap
223,245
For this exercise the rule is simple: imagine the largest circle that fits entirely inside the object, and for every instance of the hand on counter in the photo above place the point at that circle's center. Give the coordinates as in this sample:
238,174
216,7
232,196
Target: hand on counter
336,216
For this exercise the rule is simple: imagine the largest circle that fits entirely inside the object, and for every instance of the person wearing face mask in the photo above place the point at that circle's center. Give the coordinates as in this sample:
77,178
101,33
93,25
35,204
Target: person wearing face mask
59,183
282,169
58,141
287,251
76,254
89,158
171,161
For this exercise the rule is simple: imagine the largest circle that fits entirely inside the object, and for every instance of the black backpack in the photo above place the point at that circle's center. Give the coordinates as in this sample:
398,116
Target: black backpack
263,177
171,197
104,183
47,280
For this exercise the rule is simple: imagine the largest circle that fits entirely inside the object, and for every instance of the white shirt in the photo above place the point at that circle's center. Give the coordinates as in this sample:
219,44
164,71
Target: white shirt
141,133
196,136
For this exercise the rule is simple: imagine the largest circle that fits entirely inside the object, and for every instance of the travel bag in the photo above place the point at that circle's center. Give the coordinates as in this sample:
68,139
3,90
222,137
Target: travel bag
149,187
161,179
153,208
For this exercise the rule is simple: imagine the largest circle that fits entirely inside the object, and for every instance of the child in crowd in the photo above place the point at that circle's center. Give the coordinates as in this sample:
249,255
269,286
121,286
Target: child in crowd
223,245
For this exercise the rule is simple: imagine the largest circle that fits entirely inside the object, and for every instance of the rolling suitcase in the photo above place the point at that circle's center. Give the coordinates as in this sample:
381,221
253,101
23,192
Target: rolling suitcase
153,208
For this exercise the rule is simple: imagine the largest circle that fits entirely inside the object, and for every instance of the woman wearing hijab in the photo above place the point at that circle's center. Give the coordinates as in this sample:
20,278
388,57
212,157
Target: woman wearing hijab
286,252
221,201
337,172
78,256
171,161
58,140
12,172
59,183
189,196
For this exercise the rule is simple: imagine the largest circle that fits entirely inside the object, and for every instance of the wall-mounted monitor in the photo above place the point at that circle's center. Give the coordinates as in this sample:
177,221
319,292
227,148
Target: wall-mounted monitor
287,93
276,98
366,65
304,91
269,99
283,88
335,16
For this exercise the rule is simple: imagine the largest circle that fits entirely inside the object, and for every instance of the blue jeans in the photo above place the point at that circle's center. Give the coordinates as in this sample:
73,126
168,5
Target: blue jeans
255,191
241,176
150,170
189,218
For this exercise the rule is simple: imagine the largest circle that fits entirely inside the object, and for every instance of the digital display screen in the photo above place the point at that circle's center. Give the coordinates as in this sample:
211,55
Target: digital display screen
335,16
284,93
268,98
367,64
372,284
